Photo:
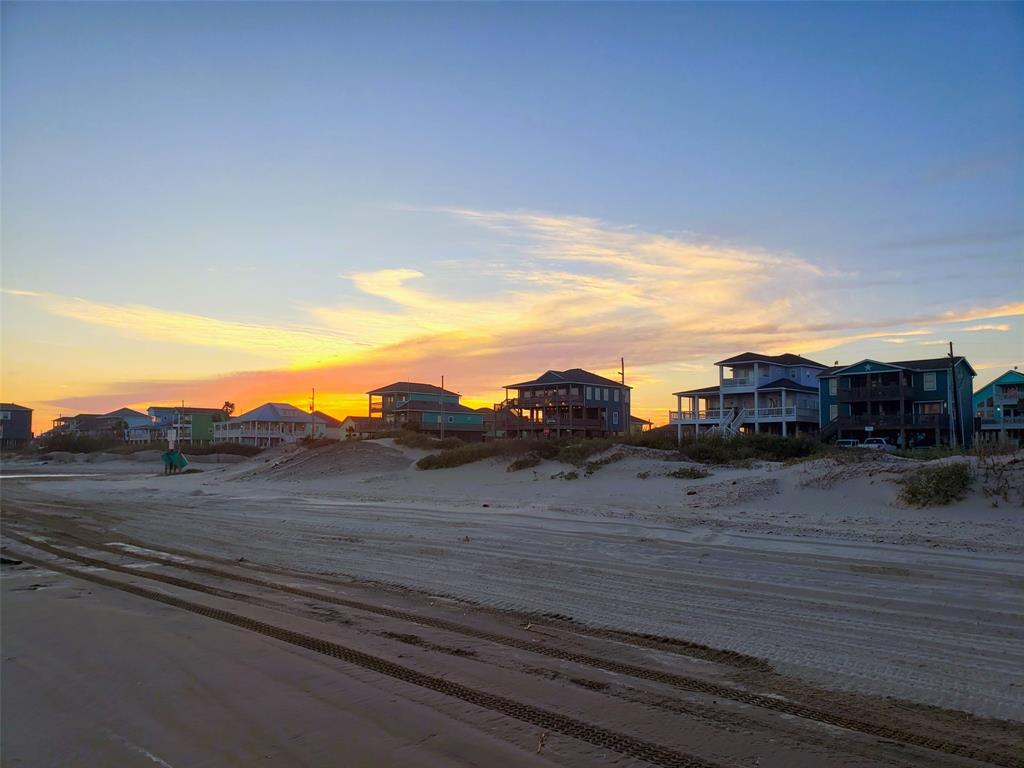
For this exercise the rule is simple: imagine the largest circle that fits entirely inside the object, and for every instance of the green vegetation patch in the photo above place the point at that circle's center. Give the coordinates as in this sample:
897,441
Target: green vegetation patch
720,449
937,486
688,473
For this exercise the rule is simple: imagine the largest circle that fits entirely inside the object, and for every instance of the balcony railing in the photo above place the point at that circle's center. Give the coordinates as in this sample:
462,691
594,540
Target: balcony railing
716,416
883,392
738,381
1006,422
895,421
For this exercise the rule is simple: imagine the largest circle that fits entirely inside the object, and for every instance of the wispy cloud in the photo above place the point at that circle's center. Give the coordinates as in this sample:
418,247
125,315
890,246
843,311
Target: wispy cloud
975,328
553,291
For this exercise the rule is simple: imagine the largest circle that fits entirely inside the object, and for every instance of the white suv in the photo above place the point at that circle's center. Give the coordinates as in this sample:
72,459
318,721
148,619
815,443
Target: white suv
878,444
847,442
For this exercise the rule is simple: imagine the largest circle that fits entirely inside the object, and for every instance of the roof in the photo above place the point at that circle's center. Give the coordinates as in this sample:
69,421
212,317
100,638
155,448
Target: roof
780,383
931,364
13,407
185,410
1013,376
286,413
424,406
365,423
120,413
638,420
784,383
757,357
412,386
570,376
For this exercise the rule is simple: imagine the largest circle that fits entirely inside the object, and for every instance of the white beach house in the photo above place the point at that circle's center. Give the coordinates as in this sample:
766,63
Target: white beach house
755,393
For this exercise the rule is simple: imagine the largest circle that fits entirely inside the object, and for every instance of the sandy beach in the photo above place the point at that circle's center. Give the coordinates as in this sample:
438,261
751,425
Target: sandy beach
808,584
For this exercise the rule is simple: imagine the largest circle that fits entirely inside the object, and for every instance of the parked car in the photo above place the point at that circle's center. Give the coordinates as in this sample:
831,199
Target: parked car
878,444
847,442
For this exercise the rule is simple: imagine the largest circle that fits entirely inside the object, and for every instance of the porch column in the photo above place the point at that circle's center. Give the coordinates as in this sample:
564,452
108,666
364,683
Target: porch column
695,400
679,419
757,403
784,434
721,395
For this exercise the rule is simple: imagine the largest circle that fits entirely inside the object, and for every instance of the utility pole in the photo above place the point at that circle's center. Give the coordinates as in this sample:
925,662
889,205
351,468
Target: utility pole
954,405
312,415
442,406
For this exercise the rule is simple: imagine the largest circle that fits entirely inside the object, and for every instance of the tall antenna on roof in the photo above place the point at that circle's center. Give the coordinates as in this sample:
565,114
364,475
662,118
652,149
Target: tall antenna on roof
622,369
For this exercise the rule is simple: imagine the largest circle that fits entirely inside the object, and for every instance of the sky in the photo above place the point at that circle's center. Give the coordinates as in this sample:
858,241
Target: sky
243,201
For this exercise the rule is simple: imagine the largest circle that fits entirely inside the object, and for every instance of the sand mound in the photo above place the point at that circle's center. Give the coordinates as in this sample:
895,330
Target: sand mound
351,457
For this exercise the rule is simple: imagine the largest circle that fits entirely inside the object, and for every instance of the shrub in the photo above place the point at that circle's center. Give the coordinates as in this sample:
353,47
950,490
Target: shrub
643,475
77,443
570,475
524,462
938,485
456,457
592,466
578,451
689,473
720,449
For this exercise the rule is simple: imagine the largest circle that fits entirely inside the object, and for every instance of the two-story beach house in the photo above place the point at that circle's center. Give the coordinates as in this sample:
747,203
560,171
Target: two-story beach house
572,403
999,407
15,425
755,393
909,402
426,408
189,425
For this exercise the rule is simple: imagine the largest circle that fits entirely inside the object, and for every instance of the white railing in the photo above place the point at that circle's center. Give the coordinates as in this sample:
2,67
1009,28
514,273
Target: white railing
689,417
994,422
738,381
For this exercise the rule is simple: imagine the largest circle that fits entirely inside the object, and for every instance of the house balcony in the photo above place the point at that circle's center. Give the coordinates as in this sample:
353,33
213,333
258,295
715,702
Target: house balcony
737,382
1005,399
1006,422
894,421
750,415
883,392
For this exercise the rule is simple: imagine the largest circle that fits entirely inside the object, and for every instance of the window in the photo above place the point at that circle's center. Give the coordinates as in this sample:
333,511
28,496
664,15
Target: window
929,382
561,391
590,393
574,391
527,394
605,393
5,415
930,408
833,411
616,395
625,395
451,419
833,387
615,417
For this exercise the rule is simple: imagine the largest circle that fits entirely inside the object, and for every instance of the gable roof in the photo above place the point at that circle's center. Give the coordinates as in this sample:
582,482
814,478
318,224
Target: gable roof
187,410
366,423
1004,378
408,387
13,407
637,420
570,376
780,383
286,413
757,357
121,413
931,364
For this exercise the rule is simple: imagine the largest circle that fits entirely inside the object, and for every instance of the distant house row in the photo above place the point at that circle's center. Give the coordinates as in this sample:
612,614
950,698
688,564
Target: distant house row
909,402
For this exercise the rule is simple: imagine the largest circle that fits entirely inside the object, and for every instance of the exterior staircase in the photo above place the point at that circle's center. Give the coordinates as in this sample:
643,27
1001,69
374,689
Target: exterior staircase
829,431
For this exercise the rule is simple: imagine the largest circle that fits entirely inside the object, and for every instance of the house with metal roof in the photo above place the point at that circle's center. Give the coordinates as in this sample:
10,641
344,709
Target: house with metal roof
909,402
276,424
15,425
570,403
425,408
999,407
755,393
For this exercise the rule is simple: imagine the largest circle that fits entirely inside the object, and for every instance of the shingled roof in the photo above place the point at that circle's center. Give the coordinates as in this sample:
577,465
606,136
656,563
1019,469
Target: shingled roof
286,413
407,387
756,357
571,376
931,364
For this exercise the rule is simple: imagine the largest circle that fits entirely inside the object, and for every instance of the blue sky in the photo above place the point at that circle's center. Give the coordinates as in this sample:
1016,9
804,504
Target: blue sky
274,179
